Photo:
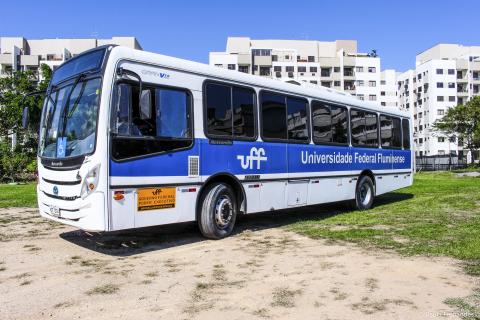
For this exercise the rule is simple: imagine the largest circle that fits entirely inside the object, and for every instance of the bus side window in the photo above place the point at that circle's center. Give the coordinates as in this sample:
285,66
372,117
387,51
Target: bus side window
390,132
274,122
406,133
339,124
321,123
357,123
229,111
297,120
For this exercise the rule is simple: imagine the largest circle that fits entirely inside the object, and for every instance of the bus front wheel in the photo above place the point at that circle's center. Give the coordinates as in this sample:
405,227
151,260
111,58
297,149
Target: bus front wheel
218,211
364,193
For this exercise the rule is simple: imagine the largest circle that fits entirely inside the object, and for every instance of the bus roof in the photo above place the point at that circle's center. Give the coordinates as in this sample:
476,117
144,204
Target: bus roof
206,70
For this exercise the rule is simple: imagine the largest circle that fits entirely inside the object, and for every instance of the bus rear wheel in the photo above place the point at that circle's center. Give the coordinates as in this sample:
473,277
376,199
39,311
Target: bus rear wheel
218,211
364,193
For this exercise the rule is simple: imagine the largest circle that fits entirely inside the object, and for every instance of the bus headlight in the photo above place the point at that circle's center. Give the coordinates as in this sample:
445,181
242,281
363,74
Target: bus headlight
90,182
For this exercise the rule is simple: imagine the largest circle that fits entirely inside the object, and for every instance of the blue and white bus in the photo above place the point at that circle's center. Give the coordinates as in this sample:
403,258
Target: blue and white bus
131,139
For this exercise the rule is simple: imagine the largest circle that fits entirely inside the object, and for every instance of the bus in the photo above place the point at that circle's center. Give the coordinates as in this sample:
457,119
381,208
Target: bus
132,139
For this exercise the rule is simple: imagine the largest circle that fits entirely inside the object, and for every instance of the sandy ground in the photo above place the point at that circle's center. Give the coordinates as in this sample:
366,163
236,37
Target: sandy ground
49,271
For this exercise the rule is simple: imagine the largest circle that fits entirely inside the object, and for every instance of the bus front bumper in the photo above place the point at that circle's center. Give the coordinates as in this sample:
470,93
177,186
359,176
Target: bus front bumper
86,214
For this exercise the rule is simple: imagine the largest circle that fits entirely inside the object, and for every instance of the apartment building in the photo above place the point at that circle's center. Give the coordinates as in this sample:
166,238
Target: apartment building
388,89
445,75
331,64
18,53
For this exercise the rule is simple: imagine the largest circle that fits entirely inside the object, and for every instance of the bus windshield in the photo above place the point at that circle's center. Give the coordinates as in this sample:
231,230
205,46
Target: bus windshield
69,122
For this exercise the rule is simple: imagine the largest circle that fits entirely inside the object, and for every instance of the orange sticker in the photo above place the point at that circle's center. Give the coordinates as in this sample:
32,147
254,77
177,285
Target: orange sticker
156,198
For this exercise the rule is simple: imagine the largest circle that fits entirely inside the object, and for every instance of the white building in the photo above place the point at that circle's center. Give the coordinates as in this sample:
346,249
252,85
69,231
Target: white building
334,64
388,89
18,53
445,75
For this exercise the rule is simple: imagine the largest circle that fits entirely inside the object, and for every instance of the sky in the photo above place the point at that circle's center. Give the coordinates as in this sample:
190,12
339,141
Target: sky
398,30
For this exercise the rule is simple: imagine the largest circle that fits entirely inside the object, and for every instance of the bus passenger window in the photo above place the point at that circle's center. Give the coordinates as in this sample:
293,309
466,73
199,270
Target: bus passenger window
339,125
229,111
297,121
321,123
357,119
219,110
390,132
274,122
406,133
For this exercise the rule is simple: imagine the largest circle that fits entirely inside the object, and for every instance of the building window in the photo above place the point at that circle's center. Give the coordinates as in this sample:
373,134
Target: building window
277,68
360,83
289,68
325,72
311,59
327,84
439,71
313,69
314,81
451,85
261,52
231,67
372,83
441,139
336,69
219,65
440,112
451,71
383,104
372,97
372,69
451,98
336,83
440,98
302,69
229,111
274,57
360,96
359,69
243,69
264,71
439,84
383,82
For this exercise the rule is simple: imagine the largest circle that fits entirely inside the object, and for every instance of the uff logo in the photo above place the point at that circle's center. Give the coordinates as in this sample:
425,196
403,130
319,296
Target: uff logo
256,155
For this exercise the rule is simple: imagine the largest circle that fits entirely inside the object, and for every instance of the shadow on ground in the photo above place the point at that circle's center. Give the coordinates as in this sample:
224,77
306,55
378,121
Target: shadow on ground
132,242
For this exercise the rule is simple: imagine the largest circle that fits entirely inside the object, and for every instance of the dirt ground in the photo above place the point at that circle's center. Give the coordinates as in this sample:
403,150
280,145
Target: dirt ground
50,271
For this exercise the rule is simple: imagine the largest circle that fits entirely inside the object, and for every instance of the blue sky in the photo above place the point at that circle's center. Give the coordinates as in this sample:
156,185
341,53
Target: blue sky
398,30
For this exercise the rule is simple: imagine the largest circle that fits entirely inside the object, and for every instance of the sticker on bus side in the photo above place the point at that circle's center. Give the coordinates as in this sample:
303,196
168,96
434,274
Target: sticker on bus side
156,198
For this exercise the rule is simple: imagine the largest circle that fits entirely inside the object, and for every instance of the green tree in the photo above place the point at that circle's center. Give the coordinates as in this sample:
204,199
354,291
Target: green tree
463,121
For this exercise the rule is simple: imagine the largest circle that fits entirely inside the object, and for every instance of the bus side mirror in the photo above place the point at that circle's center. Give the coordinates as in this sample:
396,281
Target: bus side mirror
145,104
25,118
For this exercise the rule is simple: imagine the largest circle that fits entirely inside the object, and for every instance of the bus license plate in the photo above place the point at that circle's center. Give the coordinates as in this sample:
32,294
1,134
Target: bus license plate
156,198
54,211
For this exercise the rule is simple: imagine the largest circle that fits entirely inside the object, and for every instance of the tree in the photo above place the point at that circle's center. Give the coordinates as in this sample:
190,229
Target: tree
12,90
464,121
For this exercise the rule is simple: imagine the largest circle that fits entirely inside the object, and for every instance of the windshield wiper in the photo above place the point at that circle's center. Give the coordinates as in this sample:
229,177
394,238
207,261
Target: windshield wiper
67,103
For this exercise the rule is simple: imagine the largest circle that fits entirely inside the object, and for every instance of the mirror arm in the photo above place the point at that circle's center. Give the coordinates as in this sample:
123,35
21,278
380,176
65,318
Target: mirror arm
25,109
121,72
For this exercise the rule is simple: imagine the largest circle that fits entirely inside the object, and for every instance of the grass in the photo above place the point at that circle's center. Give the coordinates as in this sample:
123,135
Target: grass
21,195
439,216
103,289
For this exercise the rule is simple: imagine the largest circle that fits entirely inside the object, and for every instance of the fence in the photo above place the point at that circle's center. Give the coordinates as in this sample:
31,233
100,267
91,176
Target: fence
440,163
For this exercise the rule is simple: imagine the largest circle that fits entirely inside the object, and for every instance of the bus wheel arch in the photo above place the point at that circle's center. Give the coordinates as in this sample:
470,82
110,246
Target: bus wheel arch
364,191
219,202
233,182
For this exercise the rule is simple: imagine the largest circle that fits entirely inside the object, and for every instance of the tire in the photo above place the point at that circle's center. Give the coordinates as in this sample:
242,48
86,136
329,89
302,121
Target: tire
218,211
364,193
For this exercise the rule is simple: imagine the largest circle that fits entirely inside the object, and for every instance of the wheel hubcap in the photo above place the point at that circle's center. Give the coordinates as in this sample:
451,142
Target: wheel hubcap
365,194
223,212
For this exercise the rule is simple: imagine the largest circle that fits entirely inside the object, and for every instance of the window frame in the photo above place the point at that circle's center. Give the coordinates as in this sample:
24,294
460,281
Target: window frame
330,104
112,135
402,120
378,128
286,96
204,111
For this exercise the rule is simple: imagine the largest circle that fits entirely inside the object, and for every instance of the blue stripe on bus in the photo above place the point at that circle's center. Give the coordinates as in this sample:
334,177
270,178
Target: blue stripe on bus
264,158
